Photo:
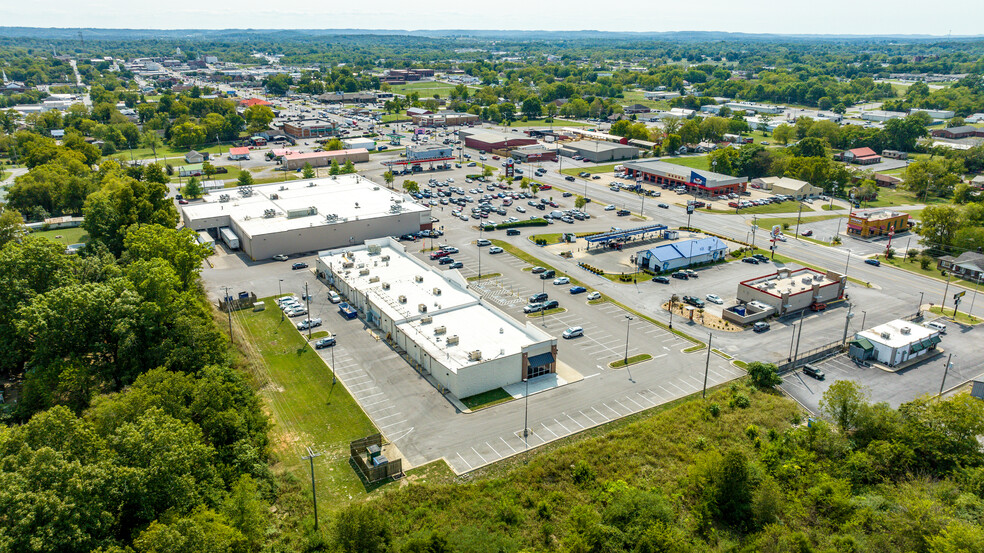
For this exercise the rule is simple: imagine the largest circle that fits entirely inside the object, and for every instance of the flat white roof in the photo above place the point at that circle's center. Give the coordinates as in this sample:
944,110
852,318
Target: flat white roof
477,329
894,330
349,197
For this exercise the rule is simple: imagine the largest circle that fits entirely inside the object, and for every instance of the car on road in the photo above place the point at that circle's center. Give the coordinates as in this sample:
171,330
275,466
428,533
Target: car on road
183,202
664,206
810,370
299,265
714,298
578,290
661,279
537,270
457,265
573,332
561,280
567,194
609,207
280,257
596,295
308,323
533,308
760,326
512,232
325,342
569,178
874,262
680,275
751,260
495,249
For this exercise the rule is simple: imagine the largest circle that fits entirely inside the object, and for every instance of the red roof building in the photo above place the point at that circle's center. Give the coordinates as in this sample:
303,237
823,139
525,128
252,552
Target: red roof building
238,153
862,156
254,102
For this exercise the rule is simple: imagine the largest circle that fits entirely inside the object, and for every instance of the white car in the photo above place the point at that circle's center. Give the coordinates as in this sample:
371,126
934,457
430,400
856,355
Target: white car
609,207
562,280
714,298
594,295
333,297
280,257
495,249
308,323
521,209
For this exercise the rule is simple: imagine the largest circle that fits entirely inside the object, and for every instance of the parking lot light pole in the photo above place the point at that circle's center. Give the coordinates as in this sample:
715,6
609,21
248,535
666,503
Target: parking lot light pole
792,338
280,293
848,263
543,285
307,303
707,364
799,334
526,413
864,315
847,321
946,369
628,322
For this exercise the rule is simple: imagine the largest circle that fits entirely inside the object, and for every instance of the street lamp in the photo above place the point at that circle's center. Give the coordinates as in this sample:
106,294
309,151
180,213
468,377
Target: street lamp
526,413
280,293
628,322
671,313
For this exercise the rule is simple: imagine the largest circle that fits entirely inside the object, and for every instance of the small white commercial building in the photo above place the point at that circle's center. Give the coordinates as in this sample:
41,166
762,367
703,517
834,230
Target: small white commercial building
466,344
307,215
894,342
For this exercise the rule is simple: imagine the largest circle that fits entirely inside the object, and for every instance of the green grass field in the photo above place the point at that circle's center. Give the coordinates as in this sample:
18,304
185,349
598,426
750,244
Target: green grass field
638,97
306,409
782,207
486,399
65,235
768,223
888,197
694,162
426,89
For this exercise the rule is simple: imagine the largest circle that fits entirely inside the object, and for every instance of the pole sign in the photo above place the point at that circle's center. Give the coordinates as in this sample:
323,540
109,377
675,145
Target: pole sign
958,295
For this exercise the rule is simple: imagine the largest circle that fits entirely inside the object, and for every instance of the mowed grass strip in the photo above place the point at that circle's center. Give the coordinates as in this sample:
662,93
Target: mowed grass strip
486,399
306,409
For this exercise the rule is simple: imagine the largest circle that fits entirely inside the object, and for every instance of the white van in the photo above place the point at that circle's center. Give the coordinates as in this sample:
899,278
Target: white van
937,326
573,332
484,242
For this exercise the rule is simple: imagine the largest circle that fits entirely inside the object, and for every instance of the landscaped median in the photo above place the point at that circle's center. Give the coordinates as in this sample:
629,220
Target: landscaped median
486,399
306,409
961,318
635,359
483,277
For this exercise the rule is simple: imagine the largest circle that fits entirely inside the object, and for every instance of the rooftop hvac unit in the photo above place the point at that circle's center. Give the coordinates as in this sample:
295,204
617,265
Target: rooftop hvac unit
440,330
437,291
807,279
348,265
374,279
363,272
373,249
453,340
402,299
422,307
418,278
905,330
886,335
386,286
274,196
426,320
475,355
375,188
384,258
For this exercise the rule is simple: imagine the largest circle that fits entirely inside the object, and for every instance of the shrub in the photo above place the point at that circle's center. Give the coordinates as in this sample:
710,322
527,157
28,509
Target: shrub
740,401
582,472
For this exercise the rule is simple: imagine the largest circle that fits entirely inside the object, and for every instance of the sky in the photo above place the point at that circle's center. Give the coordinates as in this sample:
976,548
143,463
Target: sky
870,17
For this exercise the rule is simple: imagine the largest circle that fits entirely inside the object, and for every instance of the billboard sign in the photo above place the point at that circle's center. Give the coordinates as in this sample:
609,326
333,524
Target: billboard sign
697,179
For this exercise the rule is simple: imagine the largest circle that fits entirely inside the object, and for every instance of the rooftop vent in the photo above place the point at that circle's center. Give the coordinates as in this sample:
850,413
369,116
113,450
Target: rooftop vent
418,278
453,340
440,330
886,335
374,279
905,330
475,355
363,272
426,320
437,291
422,307
402,299
386,286
384,258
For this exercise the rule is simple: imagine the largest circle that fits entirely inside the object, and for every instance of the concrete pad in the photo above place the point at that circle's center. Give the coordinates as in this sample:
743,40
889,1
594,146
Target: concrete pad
536,385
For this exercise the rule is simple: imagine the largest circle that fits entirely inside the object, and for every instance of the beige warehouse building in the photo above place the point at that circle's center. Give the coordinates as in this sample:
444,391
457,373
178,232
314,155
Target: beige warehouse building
789,187
295,161
307,215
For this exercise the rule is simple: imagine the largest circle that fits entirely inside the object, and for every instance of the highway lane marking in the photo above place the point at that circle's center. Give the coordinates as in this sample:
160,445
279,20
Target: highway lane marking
458,453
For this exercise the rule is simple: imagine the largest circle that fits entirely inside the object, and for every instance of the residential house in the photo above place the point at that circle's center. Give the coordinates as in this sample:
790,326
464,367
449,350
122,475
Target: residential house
968,265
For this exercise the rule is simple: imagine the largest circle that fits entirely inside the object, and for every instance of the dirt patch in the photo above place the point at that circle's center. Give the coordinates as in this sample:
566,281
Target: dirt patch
702,318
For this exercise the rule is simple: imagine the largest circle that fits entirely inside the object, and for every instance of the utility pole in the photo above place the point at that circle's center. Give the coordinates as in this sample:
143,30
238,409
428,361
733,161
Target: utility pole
526,413
280,293
946,369
307,305
847,320
919,307
945,290
707,364
799,334
799,217
314,492
229,312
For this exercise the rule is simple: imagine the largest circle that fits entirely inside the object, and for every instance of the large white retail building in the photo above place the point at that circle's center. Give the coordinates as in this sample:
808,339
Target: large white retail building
306,215
466,345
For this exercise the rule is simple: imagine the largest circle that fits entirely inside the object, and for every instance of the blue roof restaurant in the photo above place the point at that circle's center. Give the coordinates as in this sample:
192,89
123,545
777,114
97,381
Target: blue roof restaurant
678,255
697,181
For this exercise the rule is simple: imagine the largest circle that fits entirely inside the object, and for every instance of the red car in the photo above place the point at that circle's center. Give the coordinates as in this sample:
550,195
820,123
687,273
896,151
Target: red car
183,202
495,157
439,254
545,187
807,233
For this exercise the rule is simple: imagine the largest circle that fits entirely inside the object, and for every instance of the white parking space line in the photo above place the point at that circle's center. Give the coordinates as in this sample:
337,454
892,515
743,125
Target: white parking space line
644,398
360,398
612,409
599,413
629,409
507,444
493,450
550,431
575,422
587,417
567,430
458,453
393,424
378,402
388,416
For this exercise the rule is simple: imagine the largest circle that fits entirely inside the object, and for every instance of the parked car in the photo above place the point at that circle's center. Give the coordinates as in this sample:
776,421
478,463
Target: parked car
874,262
280,257
495,249
550,273
760,326
333,297
562,280
937,326
308,323
594,295
484,242
609,207
537,270
551,304
578,290
807,233
694,301
325,342
533,308
445,261
751,260
714,298
538,298
810,370
818,306
513,232
300,265
573,332
456,265
680,275
661,279
761,257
